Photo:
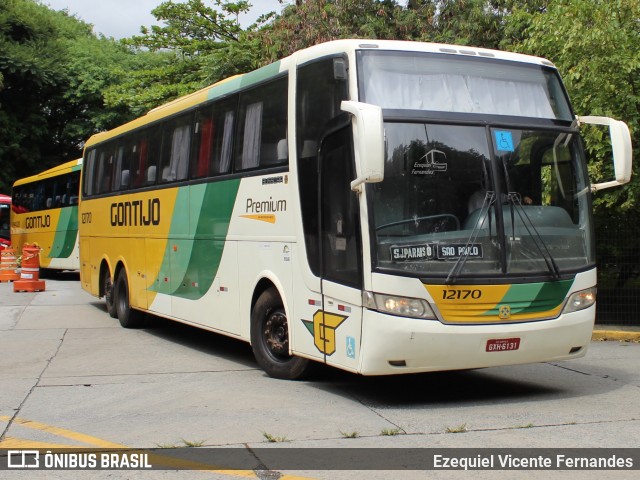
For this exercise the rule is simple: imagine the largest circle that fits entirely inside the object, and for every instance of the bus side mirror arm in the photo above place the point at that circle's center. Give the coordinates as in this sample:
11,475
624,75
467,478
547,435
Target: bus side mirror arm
369,142
621,146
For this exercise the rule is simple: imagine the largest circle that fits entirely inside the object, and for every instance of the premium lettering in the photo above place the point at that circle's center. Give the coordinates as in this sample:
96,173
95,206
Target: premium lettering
266,206
136,213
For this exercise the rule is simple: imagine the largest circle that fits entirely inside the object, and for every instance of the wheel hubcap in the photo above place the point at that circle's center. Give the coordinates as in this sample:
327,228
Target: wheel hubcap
276,335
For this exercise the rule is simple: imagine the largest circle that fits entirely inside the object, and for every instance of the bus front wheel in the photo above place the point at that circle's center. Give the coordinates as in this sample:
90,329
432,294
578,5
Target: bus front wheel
128,317
270,339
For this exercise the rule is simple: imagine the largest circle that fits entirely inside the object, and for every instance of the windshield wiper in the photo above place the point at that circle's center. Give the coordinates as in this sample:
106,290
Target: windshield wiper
516,204
514,199
489,199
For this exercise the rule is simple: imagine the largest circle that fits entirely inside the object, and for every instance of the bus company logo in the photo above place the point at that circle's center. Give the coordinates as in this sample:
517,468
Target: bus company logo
37,221
136,213
504,312
264,210
23,459
323,328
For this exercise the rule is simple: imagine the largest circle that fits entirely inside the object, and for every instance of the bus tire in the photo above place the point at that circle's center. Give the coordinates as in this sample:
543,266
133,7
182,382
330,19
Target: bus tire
109,293
270,339
128,317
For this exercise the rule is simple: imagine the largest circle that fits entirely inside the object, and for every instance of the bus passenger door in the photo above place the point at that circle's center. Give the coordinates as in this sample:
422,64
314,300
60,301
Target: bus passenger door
339,333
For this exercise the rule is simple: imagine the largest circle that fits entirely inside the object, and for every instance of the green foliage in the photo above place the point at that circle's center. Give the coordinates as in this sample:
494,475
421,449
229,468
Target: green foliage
482,23
311,22
151,79
54,72
197,46
192,27
594,44
29,62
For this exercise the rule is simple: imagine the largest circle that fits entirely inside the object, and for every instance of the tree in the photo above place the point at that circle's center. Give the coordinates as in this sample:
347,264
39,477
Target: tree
29,79
199,45
594,44
311,22
54,71
482,23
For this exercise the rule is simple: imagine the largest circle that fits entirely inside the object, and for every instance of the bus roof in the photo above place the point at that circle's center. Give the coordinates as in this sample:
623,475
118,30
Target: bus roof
52,172
239,82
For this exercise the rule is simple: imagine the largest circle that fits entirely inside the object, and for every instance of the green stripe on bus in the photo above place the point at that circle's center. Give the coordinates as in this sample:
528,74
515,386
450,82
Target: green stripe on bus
259,75
243,81
66,233
195,264
533,297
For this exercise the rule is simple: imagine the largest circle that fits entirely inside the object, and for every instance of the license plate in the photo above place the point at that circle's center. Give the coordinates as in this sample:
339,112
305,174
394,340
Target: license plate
503,344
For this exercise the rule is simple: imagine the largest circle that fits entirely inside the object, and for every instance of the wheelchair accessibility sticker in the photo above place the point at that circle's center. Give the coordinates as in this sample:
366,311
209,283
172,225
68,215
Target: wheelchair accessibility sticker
351,347
504,141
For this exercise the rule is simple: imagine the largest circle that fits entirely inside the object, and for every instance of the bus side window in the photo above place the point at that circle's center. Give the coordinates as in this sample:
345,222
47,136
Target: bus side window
128,169
141,160
73,184
104,166
203,134
151,151
263,123
119,167
213,139
89,167
224,144
176,144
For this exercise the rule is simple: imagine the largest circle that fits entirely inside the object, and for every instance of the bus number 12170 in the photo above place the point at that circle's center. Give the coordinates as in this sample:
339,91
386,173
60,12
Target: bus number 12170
461,294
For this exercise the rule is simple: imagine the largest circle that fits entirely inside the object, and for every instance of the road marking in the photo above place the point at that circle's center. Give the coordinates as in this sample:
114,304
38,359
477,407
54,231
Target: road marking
22,444
154,458
61,432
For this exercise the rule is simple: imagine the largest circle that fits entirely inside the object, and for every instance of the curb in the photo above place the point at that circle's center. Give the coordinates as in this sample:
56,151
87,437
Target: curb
618,335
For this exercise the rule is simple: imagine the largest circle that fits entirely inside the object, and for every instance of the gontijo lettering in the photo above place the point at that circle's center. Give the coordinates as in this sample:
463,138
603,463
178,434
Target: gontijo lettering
135,213
37,221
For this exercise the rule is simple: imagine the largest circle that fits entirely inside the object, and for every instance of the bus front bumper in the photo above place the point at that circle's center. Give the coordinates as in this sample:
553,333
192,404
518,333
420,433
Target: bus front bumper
395,345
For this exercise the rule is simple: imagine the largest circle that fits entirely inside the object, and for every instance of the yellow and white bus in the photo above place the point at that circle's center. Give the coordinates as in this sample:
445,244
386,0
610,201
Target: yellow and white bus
325,208
44,211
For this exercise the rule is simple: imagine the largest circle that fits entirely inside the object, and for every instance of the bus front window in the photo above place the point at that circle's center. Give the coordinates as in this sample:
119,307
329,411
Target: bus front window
454,203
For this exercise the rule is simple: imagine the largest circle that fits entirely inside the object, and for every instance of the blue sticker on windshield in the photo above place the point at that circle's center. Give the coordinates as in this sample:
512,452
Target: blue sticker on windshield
504,141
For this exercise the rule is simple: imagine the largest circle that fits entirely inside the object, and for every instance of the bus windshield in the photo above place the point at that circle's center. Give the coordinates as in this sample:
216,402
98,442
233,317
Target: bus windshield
481,201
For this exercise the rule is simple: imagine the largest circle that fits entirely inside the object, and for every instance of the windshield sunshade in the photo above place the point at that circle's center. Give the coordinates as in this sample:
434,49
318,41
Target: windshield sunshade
448,83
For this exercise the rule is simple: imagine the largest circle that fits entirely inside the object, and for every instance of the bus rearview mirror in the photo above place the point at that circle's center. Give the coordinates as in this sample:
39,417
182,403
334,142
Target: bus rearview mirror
621,147
369,142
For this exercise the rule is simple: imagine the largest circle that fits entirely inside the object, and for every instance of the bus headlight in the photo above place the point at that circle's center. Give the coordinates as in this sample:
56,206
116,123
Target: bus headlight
400,306
581,300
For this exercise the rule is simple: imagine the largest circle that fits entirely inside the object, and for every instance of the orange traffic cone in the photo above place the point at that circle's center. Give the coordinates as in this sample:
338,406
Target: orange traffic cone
8,266
30,273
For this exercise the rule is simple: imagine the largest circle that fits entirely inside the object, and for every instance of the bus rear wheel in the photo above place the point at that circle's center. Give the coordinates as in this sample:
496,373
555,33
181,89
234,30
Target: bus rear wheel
128,317
270,339
108,294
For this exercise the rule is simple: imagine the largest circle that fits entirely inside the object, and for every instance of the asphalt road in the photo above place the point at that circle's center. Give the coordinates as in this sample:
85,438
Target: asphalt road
70,376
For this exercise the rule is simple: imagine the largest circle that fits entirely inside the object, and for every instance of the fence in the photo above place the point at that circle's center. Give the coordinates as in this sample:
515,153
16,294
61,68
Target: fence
618,257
